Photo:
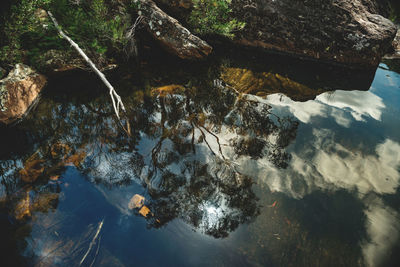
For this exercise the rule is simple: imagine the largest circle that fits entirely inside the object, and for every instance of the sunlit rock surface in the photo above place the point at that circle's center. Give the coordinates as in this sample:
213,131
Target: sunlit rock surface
353,33
171,34
18,91
343,31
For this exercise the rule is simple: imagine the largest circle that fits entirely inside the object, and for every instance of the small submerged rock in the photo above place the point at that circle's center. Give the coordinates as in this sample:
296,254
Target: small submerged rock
33,168
137,201
18,91
266,83
167,90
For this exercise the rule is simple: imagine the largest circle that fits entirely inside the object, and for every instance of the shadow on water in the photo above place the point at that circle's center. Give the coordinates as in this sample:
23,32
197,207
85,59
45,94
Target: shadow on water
191,125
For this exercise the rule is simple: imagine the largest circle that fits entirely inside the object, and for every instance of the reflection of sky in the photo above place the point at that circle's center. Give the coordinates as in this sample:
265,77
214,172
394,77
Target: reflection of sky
342,106
333,151
383,229
359,104
328,156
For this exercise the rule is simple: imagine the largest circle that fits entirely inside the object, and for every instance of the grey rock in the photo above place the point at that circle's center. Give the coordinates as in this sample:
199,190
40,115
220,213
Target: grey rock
342,31
171,34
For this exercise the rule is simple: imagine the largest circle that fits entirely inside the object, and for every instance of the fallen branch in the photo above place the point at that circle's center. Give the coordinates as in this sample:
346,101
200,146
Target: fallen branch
113,94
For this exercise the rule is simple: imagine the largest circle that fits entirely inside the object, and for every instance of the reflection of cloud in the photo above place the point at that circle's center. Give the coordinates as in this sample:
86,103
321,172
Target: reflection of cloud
347,169
342,106
357,102
332,166
301,110
214,214
326,164
383,230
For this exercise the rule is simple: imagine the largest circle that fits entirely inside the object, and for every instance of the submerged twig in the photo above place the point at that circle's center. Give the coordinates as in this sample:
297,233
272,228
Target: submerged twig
97,252
92,243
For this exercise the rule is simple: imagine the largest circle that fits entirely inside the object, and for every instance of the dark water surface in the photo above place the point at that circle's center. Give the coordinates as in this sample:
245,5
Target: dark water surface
276,162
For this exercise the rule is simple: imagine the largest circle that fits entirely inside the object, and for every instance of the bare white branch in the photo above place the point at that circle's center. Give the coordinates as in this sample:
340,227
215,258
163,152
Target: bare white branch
115,98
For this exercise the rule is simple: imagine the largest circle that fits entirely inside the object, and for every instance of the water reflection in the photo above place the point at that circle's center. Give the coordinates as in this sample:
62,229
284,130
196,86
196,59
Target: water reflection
360,160
306,180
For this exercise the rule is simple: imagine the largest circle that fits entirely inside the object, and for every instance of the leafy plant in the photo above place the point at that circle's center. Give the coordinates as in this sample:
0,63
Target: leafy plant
21,25
92,24
214,17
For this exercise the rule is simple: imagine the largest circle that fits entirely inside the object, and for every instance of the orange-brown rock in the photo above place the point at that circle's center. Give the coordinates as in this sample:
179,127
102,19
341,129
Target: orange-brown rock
167,90
33,168
76,159
137,201
18,91
144,211
266,83
23,207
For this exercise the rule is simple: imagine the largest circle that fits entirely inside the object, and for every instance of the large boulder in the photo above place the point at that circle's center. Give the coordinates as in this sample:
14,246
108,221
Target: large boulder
170,34
351,32
18,91
343,31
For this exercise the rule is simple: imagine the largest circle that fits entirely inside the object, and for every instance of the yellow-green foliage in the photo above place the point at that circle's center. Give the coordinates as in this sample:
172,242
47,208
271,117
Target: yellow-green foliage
214,17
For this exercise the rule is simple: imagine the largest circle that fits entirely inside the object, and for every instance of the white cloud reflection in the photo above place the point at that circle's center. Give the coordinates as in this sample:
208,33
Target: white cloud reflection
358,103
328,164
342,106
383,230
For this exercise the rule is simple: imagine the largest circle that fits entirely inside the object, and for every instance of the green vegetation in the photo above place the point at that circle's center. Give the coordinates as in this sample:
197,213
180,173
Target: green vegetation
394,12
213,17
19,26
28,32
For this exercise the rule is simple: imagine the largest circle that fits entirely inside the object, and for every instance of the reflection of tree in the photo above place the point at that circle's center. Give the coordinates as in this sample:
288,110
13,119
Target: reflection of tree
182,148
190,176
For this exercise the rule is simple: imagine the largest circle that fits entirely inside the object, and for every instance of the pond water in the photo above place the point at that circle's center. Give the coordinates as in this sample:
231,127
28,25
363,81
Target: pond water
245,160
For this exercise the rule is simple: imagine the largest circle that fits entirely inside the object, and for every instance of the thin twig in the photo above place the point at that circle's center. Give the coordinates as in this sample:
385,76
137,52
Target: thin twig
97,252
92,243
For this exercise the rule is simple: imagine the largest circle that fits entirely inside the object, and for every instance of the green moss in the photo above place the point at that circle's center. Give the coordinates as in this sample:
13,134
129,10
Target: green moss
214,17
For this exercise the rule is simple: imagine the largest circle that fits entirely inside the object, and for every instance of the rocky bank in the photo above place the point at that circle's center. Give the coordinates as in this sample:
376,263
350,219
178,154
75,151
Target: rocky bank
349,32
18,91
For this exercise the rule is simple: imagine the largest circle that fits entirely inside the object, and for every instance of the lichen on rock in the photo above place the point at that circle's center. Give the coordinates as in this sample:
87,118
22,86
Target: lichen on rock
18,91
170,34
